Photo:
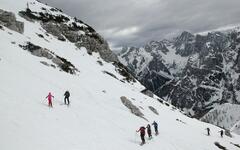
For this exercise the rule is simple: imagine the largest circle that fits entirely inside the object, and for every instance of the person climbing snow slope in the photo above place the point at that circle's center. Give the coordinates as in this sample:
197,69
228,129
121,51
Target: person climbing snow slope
66,98
142,134
208,131
149,131
221,133
49,98
155,125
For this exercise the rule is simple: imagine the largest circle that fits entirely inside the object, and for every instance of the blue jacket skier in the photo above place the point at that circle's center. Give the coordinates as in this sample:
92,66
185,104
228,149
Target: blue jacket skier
155,125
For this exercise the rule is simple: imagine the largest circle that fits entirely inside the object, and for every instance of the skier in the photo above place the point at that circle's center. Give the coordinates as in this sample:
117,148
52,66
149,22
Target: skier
221,133
66,98
155,125
208,131
149,132
142,134
49,97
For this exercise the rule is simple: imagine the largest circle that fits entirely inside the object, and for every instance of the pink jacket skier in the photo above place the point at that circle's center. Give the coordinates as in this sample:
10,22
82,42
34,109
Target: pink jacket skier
49,97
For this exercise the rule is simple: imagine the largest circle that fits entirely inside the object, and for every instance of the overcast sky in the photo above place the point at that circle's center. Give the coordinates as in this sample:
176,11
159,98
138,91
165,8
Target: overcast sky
136,22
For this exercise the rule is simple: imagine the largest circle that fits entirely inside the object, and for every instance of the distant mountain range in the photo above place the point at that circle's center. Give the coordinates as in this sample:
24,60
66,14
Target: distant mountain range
194,72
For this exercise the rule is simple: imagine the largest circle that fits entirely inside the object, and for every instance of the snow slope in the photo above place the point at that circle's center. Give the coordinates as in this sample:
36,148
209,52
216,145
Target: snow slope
224,116
96,119
236,128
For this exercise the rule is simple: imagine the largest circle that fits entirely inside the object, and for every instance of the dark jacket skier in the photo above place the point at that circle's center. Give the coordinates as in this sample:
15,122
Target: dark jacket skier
66,98
208,131
142,134
149,131
155,125
221,133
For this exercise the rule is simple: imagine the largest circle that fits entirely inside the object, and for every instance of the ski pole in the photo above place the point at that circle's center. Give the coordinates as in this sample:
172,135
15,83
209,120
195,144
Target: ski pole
135,137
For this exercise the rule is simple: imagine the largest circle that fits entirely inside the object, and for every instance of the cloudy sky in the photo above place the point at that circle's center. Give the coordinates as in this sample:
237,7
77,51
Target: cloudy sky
136,22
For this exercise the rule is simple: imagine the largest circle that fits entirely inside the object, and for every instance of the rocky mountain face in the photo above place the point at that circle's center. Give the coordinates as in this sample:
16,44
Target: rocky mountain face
64,28
71,29
193,72
224,116
8,19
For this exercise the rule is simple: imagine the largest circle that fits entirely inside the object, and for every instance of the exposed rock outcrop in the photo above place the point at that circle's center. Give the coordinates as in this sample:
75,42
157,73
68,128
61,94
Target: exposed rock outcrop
66,28
153,110
134,109
43,52
8,20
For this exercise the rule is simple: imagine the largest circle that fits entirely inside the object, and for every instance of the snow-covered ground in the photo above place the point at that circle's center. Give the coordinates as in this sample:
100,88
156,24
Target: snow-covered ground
96,118
225,116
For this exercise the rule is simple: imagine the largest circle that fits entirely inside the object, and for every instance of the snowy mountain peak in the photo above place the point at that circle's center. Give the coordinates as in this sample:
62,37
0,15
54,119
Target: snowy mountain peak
63,27
156,46
184,37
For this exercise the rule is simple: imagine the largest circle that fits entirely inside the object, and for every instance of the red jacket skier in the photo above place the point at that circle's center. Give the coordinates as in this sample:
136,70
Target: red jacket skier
49,97
142,134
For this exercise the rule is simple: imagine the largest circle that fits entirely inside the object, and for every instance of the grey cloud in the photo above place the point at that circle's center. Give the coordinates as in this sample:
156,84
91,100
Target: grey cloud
154,19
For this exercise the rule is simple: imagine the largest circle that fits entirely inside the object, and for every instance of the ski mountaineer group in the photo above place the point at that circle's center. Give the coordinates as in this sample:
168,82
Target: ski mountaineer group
149,131
50,98
208,132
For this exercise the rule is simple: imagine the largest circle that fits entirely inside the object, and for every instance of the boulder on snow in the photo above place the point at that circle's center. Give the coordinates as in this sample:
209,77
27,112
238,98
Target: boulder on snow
153,110
57,61
228,133
147,92
237,145
220,146
134,109
42,52
100,63
53,29
37,50
109,73
62,63
8,20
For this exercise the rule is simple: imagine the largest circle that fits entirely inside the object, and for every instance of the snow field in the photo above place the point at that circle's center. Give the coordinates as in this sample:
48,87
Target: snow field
96,118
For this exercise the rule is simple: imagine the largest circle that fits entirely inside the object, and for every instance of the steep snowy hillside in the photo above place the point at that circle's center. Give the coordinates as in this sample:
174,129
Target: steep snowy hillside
192,72
223,116
107,106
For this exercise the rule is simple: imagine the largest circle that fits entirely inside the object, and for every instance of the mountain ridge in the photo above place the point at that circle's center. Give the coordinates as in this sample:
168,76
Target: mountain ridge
193,72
